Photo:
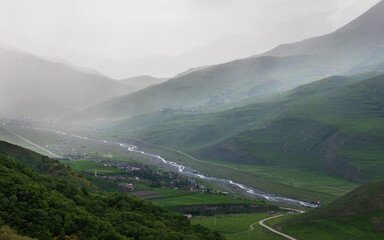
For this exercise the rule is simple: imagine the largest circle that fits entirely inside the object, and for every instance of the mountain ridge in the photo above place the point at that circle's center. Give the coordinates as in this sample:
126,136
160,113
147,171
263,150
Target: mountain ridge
33,87
282,68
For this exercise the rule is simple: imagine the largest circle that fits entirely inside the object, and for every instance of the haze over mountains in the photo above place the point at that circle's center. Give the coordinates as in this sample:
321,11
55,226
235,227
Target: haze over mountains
323,121
223,48
299,122
358,46
360,41
140,82
33,87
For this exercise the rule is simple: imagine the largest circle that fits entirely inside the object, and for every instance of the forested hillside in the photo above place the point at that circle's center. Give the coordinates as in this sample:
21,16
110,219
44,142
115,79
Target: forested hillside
42,207
42,164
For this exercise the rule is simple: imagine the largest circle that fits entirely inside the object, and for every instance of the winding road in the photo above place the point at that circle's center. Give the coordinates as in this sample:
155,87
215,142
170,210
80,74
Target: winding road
261,222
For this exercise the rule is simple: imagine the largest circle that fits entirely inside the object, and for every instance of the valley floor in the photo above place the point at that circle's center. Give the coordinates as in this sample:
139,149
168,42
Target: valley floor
296,183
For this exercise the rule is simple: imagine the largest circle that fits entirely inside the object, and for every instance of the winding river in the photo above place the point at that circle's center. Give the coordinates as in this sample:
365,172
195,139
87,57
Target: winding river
190,172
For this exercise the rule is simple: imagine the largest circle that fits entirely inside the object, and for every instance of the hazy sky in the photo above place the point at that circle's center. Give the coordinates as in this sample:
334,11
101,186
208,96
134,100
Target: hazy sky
128,29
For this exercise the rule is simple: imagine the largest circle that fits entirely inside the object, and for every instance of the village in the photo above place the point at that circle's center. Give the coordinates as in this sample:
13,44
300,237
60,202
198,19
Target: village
138,174
134,174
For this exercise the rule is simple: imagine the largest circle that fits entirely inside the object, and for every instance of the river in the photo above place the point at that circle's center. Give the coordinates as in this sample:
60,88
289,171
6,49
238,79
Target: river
190,172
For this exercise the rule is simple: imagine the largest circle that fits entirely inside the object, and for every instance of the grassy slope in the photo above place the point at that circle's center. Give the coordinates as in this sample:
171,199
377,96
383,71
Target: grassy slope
200,129
237,227
357,215
292,182
339,131
333,125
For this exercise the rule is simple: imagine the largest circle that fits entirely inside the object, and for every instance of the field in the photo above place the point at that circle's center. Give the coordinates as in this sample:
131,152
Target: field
300,183
91,167
171,198
238,226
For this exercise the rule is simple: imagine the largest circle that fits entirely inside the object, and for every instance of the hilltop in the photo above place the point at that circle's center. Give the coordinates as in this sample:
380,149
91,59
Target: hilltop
140,82
357,215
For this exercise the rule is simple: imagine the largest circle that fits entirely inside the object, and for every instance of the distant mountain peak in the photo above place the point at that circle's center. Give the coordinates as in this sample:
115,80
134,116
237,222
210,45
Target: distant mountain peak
369,22
362,37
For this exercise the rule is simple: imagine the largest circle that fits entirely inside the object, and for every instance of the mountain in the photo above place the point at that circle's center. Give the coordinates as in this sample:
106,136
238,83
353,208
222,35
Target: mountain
215,85
355,47
357,215
71,65
55,209
34,87
140,82
190,70
361,36
332,125
222,49
338,131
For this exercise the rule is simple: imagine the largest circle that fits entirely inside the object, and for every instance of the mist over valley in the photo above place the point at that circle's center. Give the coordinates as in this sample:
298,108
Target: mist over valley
192,119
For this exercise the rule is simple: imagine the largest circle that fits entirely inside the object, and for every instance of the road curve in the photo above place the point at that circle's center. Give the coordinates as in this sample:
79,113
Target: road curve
261,222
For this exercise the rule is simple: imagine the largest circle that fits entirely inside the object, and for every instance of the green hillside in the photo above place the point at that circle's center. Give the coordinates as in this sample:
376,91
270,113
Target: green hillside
42,164
333,125
197,129
340,131
42,207
357,215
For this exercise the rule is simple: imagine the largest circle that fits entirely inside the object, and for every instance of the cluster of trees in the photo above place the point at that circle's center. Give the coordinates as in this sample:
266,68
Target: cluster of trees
43,207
